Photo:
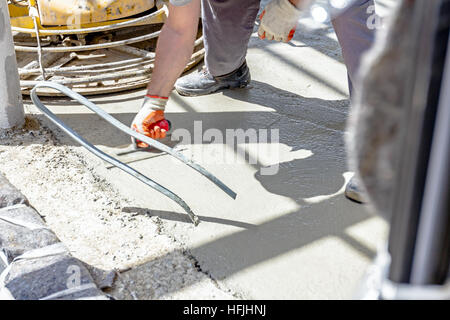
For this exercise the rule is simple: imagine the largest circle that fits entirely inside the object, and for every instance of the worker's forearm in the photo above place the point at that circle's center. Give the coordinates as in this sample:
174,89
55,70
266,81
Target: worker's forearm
172,54
300,3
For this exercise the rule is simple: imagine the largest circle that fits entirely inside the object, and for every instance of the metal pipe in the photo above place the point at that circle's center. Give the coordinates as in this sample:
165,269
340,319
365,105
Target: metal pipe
74,135
144,64
92,46
151,142
39,48
11,106
115,76
72,81
25,71
149,57
430,247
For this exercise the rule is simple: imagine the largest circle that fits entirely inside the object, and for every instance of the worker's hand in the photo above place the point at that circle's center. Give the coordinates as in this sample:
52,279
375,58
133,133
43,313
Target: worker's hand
278,21
150,120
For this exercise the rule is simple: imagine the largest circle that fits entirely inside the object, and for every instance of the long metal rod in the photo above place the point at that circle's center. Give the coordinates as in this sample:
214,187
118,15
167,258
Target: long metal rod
39,48
415,139
92,46
23,71
71,81
87,71
435,211
149,57
74,135
119,125
113,76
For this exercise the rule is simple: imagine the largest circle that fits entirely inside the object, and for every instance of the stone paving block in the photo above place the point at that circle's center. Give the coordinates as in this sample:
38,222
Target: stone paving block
104,279
10,195
21,230
2,265
34,264
48,273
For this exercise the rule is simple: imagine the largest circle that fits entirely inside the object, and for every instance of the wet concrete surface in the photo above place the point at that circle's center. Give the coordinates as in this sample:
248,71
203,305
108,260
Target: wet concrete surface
291,233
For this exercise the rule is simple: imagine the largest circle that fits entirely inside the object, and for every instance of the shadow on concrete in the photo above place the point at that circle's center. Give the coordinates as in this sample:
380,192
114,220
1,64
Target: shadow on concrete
135,94
296,66
180,217
320,113
230,254
304,123
312,124
294,230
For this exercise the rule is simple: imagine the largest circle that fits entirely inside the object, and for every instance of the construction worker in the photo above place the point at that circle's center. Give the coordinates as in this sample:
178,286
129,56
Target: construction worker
228,25
174,48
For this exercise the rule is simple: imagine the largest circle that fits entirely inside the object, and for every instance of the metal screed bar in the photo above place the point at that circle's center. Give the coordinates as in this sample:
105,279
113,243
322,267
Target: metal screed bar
127,130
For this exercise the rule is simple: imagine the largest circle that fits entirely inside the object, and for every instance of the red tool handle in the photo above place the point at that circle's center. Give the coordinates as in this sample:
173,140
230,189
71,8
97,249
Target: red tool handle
163,124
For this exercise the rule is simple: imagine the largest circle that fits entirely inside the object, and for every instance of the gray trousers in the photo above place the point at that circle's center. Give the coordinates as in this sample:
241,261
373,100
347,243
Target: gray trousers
228,25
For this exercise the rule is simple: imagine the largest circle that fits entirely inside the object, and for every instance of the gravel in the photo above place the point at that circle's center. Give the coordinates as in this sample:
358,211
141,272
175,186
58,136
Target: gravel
86,214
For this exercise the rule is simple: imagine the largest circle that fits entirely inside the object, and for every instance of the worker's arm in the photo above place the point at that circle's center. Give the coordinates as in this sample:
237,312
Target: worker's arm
174,48
299,3
279,19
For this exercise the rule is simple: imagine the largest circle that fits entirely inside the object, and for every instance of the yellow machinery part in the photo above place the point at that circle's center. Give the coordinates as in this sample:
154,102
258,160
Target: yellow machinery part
17,11
78,12
22,22
108,62
25,24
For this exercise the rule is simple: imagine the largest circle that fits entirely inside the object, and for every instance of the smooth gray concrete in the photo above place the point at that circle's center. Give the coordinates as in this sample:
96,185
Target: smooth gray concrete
291,235
11,107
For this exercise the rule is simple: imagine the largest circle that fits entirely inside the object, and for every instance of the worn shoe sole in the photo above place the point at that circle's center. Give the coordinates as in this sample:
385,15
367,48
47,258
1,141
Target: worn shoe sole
353,193
201,92
354,196
222,85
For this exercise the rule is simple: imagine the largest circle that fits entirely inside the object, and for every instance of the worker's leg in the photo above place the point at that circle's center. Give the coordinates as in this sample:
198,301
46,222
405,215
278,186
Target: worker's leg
355,38
354,35
227,27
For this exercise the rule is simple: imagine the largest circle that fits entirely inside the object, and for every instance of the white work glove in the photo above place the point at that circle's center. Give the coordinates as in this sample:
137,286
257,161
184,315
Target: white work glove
150,119
278,21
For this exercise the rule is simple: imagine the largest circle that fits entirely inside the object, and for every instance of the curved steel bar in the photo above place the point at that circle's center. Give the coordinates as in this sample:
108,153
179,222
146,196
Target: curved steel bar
112,160
93,67
71,81
149,58
92,46
87,71
146,69
119,125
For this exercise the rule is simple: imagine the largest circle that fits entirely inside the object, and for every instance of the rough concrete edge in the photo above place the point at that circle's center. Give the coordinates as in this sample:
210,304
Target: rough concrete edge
90,166
102,279
10,195
188,254
24,201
